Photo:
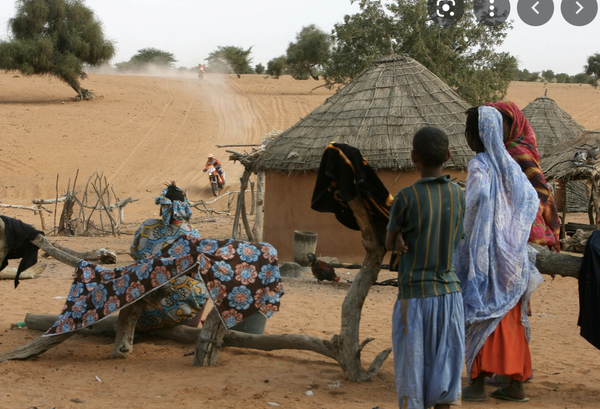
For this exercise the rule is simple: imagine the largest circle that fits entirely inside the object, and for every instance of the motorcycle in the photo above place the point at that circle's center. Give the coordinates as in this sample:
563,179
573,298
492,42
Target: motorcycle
216,181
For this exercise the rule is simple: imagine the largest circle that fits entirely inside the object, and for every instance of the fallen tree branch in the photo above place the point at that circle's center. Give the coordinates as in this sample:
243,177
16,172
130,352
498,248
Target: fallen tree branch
32,208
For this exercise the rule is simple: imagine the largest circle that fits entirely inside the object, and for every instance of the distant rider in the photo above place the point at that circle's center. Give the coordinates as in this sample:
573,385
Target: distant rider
212,161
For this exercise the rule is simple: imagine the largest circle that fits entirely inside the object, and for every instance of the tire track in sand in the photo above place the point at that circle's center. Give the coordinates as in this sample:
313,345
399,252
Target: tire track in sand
147,136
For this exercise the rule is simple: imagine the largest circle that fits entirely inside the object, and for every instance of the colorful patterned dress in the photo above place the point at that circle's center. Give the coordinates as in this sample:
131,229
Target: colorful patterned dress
189,296
242,279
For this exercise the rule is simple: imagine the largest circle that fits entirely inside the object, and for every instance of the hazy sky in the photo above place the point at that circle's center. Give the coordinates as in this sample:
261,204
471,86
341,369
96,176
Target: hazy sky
191,29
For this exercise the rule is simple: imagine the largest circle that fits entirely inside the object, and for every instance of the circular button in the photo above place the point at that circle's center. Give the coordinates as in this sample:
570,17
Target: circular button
491,12
446,12
579,12
535,12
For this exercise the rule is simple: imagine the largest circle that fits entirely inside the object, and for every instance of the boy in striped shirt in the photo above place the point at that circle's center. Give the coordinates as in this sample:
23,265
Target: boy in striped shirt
425,227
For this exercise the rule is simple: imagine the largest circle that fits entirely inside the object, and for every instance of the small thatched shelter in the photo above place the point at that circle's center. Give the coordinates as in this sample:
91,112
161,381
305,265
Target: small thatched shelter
576,160
553,125
550,124
378,112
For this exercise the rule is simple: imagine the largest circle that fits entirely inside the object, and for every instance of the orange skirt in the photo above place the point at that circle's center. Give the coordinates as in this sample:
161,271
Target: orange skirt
506,351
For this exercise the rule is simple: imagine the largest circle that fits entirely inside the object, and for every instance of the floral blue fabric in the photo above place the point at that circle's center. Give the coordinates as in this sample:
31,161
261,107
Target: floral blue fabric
241,278
495,266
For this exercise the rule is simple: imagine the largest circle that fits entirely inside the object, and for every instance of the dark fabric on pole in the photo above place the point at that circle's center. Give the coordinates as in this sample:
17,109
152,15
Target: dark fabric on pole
18,235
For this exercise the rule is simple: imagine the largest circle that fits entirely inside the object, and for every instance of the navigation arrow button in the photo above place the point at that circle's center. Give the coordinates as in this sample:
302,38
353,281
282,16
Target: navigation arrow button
571,11
535,12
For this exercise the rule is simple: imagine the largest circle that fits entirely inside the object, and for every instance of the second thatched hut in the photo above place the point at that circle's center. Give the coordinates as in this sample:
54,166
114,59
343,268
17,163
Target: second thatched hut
552,125
378,112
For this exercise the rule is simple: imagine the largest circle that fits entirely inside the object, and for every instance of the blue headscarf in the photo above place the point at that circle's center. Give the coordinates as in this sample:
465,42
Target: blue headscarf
495,265
171,210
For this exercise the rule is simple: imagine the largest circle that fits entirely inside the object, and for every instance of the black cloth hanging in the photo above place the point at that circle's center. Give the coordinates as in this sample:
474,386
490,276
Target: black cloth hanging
18,235
589,291
343,175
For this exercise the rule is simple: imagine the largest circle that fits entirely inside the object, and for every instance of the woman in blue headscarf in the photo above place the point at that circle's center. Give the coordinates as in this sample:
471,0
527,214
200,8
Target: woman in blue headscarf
495,266
186,303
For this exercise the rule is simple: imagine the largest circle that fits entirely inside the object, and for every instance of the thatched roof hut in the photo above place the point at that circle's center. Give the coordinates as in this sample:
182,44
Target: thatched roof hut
550,123
576,162
560,162
378,113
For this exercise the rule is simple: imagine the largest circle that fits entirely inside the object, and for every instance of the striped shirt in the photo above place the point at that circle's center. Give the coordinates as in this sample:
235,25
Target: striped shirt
429,214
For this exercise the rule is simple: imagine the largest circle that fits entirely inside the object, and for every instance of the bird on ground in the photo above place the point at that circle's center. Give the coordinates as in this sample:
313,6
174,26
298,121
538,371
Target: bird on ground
321,270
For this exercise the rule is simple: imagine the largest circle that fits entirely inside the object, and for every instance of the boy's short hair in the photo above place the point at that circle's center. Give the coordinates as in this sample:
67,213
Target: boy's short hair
431,145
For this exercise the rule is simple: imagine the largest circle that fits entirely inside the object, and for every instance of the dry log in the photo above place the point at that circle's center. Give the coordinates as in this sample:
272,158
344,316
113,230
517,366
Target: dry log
43,322
43,243
35,270
128,317
35,347
102,255
577,242
552,263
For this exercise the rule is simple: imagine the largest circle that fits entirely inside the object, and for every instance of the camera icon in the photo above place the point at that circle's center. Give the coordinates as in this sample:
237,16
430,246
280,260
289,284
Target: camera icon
445,12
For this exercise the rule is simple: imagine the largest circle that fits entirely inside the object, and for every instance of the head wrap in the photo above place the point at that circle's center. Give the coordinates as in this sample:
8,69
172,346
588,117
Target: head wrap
493,262
171,209
522,146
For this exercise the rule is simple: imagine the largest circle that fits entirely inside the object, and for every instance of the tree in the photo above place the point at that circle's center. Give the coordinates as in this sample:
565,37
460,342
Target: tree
309,53
462,55
592,68
581,78
562,77
148,56
276,66
259,68
231,58
55,37
548,75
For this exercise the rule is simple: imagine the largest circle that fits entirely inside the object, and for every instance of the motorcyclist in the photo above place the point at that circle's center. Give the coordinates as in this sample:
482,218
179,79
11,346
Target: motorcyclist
212,161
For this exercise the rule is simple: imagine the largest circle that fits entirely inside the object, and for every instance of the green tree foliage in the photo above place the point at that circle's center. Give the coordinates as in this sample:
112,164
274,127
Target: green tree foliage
230,59
277,66
525,75
581,78
259,68
309,53
592,68
55,37
462,55
147,57
548,75
562,78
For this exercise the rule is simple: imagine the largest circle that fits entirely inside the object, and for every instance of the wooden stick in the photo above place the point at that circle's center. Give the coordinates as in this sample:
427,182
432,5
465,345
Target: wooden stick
252,208
257,230
32,208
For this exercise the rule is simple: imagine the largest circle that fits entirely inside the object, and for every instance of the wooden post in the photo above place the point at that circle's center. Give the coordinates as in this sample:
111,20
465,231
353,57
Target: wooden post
563,225
41,207
210,339
257,230
252,208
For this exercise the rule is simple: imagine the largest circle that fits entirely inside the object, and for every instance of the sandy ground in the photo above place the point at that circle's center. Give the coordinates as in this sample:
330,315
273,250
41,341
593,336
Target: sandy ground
144,131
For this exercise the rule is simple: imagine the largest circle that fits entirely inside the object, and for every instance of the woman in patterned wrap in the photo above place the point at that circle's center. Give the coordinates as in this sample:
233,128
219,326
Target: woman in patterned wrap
186,303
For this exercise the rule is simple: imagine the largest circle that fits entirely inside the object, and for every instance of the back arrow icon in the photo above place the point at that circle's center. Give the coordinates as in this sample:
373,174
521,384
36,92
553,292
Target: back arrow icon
535,5
580,7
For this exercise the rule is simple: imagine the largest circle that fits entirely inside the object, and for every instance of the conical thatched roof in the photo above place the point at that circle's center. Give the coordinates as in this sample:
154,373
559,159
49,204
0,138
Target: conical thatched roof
550,123
559,163
378,112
